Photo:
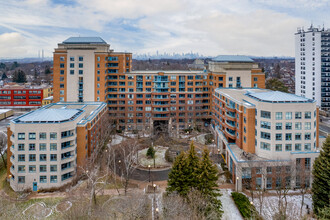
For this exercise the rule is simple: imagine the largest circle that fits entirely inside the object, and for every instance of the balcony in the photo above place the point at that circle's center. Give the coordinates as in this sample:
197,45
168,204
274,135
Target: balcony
231,114
231,124
230,132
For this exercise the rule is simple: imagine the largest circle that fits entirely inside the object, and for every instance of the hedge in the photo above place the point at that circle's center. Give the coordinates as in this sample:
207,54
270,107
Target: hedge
244,206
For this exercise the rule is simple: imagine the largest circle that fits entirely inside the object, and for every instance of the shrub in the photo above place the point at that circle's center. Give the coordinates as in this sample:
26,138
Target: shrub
168,156
119,131
151,152
244,206
209,139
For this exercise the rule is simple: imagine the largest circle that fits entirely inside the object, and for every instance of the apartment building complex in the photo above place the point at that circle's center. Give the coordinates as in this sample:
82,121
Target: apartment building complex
46,147
262,131
86,69
24,95
312,53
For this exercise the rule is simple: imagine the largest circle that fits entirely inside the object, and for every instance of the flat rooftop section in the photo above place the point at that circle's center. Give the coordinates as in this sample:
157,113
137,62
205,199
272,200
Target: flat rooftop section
62,112
250,96
166,72
84,40
50,115
24,87
277,96
233,59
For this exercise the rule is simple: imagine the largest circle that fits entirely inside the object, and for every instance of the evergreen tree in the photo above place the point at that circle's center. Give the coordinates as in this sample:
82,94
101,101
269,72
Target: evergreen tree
4,76
151,152
321,182
19,76
208,176
178,180
192,165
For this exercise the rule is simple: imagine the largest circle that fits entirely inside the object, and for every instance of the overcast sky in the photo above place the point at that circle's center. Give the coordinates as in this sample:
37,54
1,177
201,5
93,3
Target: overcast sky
209,27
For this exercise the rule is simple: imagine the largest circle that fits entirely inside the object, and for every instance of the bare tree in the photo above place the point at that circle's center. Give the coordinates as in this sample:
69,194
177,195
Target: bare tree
282,175
261,187
302,175
3,147
126,154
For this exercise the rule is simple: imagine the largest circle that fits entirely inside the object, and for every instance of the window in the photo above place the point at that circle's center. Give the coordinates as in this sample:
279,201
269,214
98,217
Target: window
53,136
298,115
297,147
307,136
278,147
258,183
53,157
53,168
264,146
42,168
278,115
298,125
278,126
53,179
230,78
32,157
265,114
288,147
288,125
43,179
21,179
53,146
308,163
21,169
21,136
263,124
269,183
307,125
20,147
265,135
32,169
258,170
288,137
81,58
71,65
255,78
307,146
32,147
42,136
288,115
307,115
81,72
81,65
298,136
71,58
278,137
42,157
21,157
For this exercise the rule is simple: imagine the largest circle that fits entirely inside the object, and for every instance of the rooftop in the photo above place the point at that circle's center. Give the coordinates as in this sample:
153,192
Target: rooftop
249,96
167,71
277,96
84,40
62,112
233,58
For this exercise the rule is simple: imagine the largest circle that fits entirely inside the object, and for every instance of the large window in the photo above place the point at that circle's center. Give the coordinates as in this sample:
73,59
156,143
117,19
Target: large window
43,179
307,115
53,136
264,124
288,126
278,147
288,137
265,135
21,179
21,157
278,126
32,157
42,136
53,168
265,146
32,169
288,115
288,147
265,114
298,125
21,136
43,168
307,125
278,137
278,116
297,115
20,147
308,136
43,157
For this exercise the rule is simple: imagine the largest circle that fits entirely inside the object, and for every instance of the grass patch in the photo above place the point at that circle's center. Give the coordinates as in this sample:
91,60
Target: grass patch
244,206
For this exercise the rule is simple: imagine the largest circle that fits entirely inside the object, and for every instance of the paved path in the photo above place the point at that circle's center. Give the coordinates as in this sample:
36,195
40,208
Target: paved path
143,175
228,206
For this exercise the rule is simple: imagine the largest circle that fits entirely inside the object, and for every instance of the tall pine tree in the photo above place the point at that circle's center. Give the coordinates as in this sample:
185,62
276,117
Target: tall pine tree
321,182
178,178
192,166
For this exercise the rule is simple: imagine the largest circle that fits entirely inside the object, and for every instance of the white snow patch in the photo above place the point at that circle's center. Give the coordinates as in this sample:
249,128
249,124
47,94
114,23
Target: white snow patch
117,139
228,206
270,206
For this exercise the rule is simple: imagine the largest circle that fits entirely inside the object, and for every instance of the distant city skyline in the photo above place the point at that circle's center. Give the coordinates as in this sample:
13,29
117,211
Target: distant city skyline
211,27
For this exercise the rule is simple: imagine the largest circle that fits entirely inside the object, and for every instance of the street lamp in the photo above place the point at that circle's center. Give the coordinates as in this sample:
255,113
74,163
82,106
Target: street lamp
237,178
149,172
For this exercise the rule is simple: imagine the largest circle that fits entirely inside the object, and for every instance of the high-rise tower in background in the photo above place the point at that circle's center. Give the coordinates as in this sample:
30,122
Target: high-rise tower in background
313,65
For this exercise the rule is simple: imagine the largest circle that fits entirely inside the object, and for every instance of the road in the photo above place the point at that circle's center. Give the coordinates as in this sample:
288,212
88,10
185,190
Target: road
143,175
